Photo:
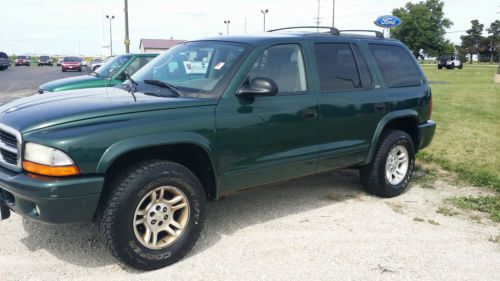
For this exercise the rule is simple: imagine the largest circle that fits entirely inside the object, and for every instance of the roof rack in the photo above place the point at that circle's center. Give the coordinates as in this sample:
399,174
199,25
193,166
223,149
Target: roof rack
333,30
378,34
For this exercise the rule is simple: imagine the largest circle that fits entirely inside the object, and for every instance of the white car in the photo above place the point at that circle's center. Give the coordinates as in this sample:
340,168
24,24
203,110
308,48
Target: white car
450,62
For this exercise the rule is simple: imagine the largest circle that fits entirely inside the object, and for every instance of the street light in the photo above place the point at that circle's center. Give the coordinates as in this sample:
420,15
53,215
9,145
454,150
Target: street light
264,12
110,18
227,22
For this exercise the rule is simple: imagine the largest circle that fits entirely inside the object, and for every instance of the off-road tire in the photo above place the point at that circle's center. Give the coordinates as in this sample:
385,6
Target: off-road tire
373,175
128,188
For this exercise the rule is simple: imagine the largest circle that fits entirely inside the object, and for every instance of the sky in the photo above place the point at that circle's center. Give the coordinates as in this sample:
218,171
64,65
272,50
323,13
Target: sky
79,27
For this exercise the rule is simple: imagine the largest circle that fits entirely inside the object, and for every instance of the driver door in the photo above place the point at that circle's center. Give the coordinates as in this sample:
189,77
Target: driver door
265,139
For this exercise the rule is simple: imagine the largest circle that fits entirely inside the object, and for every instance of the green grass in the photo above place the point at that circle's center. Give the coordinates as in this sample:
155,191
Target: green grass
467,109
484,204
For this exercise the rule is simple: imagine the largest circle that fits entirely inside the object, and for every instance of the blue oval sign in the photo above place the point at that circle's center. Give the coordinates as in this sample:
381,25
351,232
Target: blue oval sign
387,21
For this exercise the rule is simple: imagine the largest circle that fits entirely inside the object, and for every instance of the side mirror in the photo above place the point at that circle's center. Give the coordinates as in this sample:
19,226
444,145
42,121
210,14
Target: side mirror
259,86
122,76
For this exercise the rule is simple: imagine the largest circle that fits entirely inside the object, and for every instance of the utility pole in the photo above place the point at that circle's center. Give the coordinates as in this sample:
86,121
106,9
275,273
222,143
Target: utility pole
264,12
127,40
110,18
333,14
318,17
227,22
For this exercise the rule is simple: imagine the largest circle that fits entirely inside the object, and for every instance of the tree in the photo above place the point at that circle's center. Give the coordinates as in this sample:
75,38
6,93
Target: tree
423,27
494,39
472,41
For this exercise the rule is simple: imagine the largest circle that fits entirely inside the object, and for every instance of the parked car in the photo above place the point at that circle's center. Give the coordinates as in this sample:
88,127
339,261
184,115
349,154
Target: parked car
144,158
4,61
59,62
22,60
45,60
109,75
449,62
94,66
83,62
71,63
94,62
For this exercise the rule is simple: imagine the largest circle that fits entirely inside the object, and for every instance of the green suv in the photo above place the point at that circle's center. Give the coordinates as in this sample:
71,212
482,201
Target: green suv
110,74
207,118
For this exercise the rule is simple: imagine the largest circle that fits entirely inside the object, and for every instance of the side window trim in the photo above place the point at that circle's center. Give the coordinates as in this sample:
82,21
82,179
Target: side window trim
304,67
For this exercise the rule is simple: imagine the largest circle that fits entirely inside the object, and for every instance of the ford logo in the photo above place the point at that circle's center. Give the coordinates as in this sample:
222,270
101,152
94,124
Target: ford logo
387,21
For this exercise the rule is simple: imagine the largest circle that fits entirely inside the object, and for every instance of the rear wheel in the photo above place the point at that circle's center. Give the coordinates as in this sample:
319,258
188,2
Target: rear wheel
440,67
392,167
154,214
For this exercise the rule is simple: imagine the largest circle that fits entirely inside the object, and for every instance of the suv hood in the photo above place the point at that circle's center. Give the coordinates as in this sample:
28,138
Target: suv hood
70,81
44,110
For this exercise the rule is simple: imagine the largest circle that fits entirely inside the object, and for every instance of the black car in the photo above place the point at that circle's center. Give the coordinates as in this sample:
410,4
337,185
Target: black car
4,61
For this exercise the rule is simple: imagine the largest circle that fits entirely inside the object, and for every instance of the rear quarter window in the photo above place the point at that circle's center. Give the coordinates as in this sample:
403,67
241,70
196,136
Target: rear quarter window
396,65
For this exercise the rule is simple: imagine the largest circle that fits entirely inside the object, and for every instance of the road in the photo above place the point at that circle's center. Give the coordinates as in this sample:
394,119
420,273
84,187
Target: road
323,227
21,81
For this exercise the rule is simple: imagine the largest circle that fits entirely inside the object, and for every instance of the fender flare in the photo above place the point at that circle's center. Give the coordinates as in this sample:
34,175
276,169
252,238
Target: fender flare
147,141
381,126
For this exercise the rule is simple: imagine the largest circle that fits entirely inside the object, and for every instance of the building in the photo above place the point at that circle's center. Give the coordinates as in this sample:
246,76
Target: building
157,45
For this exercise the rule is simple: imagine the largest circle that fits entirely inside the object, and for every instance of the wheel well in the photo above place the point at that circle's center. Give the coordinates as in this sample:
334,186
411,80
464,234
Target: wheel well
408,125
191,156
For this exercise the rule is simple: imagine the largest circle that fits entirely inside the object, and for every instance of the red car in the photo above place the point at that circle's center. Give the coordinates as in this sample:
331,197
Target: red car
71,63
22,60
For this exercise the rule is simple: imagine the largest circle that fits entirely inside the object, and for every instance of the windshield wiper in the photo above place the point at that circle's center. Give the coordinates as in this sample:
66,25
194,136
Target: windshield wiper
131,88
166,85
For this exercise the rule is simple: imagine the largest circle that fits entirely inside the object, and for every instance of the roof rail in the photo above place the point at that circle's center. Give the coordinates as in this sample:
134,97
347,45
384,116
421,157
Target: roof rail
378,34
333,30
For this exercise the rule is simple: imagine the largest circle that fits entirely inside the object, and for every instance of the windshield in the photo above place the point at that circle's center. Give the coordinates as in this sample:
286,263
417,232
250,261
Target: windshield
194,68
109,68
44,57
22,57
71,59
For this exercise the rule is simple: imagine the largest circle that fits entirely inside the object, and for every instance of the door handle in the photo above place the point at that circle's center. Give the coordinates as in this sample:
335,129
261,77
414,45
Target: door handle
380,107
310,114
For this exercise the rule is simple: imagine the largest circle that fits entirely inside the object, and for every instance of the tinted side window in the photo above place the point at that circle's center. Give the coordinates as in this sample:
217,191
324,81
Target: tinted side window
285,65
364,72
397,67
337,67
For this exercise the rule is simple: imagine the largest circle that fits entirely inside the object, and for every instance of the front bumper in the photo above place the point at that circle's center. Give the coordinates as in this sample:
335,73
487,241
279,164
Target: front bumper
426,133
4,64
51,200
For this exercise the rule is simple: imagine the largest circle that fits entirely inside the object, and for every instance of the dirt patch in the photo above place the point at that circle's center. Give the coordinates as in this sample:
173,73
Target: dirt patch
322,227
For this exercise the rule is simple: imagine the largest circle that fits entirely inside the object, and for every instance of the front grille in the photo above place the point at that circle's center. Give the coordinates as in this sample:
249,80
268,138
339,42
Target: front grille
10,141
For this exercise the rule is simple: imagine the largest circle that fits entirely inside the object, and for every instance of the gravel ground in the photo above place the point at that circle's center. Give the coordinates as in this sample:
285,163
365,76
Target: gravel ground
322,227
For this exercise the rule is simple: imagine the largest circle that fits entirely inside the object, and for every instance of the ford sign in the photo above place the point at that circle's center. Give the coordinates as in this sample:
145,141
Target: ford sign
387,21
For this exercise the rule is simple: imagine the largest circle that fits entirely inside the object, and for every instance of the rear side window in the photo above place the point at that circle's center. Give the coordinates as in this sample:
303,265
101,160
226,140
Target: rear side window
337,67
396,65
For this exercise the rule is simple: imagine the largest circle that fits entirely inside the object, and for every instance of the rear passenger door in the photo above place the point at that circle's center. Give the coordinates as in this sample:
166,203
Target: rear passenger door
351,104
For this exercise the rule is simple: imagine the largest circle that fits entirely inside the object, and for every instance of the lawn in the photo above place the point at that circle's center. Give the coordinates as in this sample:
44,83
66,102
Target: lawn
466,106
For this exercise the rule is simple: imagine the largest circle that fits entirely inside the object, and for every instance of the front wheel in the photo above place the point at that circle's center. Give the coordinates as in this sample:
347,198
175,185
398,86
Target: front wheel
154,214
392,167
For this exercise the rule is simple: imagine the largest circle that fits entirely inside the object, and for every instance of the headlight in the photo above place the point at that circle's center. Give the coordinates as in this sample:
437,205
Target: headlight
48,161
